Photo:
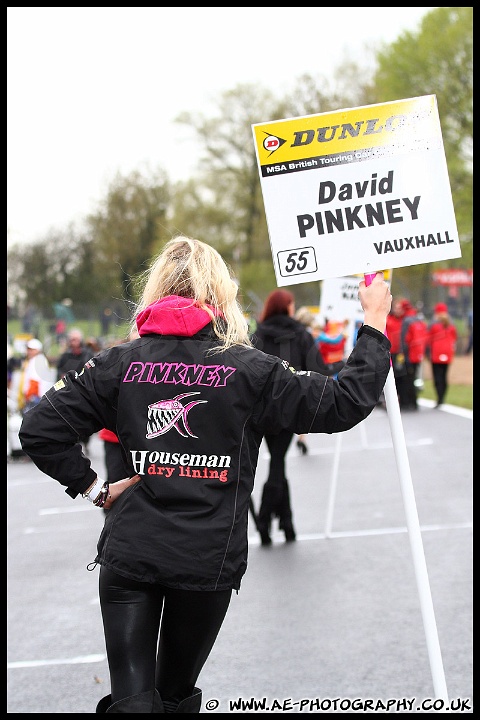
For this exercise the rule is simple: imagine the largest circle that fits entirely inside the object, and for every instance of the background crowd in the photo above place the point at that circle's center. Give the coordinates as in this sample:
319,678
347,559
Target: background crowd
415,339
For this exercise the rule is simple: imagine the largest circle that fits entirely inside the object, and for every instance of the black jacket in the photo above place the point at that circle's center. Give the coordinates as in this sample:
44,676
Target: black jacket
191,424
72,361
287,338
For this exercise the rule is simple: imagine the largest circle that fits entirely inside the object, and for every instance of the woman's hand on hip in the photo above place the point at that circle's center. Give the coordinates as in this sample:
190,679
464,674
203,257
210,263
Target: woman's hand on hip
117,488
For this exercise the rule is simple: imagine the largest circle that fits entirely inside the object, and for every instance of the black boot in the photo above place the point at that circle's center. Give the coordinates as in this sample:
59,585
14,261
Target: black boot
147,702
263,527
264,535
285,515
271,497
290,535
104,704
190,704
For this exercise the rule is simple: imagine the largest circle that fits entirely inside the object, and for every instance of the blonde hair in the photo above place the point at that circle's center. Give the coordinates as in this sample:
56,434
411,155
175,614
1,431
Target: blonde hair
192,269
304,316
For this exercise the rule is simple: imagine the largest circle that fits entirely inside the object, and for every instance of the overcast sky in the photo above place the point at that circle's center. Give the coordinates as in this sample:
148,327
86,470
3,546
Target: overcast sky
94,91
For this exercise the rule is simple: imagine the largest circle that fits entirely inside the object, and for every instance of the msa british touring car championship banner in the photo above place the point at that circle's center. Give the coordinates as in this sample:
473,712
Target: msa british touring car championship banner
356,190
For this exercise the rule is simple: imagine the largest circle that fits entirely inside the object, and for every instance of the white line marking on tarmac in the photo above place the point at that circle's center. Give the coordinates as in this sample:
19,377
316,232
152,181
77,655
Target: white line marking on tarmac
61,510
81,660
452,409
293,454
279,538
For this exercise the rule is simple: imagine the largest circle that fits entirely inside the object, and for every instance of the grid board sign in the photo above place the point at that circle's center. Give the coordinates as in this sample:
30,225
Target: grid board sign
356,190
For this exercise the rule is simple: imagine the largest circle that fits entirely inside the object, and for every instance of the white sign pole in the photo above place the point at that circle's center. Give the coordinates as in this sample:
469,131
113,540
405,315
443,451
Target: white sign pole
414,533
333,486
415,537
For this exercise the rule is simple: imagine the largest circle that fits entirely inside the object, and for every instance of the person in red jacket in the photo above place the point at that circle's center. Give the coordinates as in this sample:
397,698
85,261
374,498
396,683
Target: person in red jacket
413,339
442,342
393,332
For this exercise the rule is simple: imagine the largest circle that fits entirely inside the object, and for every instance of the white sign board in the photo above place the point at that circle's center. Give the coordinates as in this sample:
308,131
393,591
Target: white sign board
339,302
356,190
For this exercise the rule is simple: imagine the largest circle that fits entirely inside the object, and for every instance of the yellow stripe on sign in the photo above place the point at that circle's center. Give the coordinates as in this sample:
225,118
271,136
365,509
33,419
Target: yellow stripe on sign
400,126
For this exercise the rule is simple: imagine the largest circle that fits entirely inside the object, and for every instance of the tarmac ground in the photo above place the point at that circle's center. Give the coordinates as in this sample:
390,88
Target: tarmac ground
330,623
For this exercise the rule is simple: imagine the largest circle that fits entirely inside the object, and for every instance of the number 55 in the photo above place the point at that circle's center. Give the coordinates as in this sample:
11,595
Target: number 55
296,263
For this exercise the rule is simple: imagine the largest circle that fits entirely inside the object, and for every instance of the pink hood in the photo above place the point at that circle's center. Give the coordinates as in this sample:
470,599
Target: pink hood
172,315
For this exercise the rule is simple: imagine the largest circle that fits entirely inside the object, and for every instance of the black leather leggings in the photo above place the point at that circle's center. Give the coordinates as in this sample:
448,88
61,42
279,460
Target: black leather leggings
138,617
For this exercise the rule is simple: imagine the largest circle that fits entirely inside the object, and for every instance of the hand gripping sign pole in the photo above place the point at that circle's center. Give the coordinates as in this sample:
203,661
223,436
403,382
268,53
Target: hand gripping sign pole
414,534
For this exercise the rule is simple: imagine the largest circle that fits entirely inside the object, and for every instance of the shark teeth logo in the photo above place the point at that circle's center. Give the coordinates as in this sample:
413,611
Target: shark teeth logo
167,414
272,143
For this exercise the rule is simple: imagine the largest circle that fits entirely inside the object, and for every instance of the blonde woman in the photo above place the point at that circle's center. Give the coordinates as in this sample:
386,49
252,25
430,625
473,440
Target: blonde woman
190,401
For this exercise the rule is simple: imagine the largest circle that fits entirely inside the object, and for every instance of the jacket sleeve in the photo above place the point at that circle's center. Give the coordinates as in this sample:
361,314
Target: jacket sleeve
51,430
306,402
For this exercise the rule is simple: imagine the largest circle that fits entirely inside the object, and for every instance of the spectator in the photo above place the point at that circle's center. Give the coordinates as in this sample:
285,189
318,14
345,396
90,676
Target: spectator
305,316
106,319
74,358
29,319
331,340
76,354
279,333
14,363
393,331
35,377
308,320
60,331
93,345
469,347
442,340
28,379
413,342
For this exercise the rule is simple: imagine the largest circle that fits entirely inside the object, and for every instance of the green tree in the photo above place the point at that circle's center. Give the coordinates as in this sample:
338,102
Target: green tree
50,270
438,60
128,228
350,85
223,204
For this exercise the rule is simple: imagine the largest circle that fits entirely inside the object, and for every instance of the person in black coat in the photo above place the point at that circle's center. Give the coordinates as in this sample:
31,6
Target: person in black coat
74,357
279,333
